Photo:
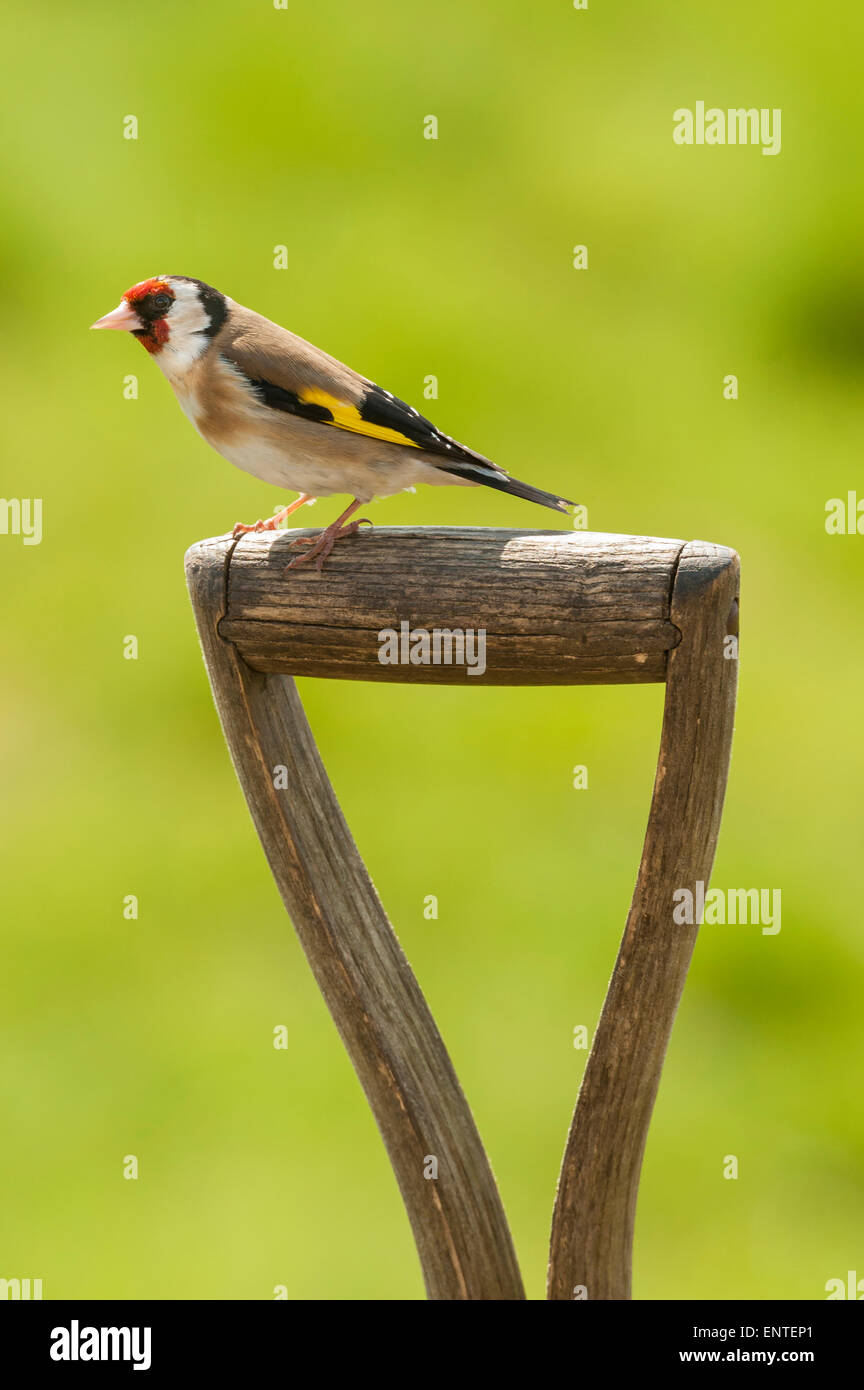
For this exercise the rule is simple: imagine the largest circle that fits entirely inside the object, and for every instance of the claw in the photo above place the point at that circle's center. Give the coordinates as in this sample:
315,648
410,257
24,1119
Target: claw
241,529
272,522
320,547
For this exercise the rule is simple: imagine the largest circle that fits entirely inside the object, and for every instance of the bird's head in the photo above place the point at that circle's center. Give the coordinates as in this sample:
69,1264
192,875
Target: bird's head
169,308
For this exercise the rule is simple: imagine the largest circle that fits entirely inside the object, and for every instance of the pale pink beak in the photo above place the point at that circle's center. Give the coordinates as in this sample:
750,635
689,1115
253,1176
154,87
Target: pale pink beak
124,316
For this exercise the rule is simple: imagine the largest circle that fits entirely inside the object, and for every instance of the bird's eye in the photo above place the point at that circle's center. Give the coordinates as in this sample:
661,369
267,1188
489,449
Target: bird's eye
162,302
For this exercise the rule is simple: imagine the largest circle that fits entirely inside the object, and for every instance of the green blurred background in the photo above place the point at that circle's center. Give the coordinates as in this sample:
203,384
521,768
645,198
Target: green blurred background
409,257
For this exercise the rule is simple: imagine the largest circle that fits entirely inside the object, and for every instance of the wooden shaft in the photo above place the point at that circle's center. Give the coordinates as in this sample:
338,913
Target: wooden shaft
459,1225
592,1228
555,608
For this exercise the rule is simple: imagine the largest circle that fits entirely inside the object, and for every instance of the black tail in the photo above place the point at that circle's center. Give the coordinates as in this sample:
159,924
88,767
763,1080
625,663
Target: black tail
487,473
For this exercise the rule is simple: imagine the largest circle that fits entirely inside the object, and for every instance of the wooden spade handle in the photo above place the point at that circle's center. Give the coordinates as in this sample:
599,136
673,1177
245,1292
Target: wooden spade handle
556,608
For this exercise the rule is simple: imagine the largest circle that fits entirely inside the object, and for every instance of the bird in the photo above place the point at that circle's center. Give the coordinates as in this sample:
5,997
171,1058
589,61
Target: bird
290,414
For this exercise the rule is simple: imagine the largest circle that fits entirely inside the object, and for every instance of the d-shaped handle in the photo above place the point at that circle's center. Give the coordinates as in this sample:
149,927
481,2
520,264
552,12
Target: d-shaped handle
554,608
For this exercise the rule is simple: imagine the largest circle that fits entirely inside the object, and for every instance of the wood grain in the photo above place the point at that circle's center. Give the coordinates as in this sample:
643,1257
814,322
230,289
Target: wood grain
592,1228
556,607
459,1225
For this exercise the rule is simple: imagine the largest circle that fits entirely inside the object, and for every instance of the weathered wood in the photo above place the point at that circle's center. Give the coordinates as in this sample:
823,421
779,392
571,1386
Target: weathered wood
556,607
462,1237
592,1229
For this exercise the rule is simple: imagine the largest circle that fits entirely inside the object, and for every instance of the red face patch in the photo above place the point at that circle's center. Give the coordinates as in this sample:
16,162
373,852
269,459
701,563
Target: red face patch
151,300
156,334
145,287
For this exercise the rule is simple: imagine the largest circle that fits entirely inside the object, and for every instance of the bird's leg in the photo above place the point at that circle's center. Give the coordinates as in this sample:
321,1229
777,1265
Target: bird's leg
321,546
273,521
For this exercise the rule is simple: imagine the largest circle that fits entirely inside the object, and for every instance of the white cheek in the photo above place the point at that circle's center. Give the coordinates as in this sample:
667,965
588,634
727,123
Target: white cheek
186,341
187,316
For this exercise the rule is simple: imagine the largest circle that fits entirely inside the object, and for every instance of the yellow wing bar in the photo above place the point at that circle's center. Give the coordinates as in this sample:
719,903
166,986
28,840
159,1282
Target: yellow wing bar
348,417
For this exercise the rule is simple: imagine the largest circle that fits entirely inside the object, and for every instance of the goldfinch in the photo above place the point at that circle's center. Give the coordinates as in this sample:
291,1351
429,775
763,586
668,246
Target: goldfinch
288,413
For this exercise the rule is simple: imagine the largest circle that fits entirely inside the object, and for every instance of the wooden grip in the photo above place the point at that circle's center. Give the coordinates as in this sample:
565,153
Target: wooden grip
506,607
555,607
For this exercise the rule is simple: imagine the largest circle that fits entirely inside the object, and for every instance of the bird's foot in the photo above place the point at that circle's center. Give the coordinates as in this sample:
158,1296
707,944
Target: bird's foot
321,546
241,529
272,523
